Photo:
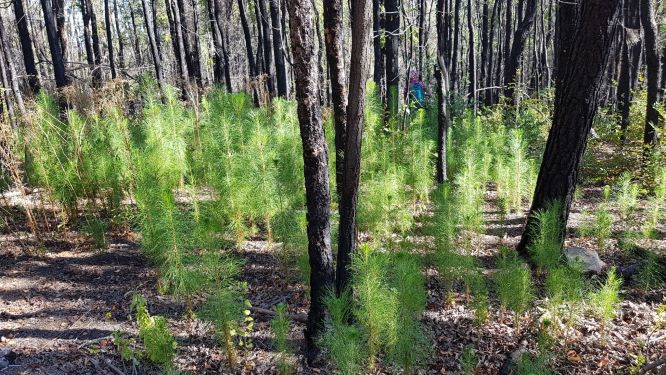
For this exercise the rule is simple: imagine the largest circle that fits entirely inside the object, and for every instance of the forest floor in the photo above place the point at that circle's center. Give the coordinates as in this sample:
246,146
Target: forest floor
61,302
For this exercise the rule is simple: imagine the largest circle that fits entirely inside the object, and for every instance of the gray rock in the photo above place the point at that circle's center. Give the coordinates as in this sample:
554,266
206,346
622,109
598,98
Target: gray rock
4,363
588,259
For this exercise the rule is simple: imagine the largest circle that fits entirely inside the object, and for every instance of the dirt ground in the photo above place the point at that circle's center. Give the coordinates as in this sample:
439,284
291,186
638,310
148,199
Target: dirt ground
61,302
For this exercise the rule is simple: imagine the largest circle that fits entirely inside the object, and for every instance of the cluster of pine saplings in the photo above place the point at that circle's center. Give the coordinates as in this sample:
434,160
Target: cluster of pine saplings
197,183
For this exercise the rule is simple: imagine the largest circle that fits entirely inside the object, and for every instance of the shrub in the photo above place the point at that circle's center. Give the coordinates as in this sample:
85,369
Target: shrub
547,234
604,301
344,342
159,344
513,282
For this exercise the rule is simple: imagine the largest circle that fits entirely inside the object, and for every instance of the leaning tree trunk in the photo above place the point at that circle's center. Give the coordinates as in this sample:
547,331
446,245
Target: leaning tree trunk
280,67
586,38
61,79
652,117
26,46
392,60
441,74
336,69
519,41
359,69
315,157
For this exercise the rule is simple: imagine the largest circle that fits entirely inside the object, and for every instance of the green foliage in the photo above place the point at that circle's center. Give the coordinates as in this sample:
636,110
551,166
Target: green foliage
344,342
604,301
565,284
547,234
513,282
159,344
95,228
468,361
650,275
627,195
532,364
601,227
280,326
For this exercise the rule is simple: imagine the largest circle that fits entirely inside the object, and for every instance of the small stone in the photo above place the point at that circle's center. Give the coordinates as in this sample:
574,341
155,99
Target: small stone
588,259
3,339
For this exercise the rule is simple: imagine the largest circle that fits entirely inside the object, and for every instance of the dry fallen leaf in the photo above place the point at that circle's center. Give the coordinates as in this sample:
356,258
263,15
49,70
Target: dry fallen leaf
573,357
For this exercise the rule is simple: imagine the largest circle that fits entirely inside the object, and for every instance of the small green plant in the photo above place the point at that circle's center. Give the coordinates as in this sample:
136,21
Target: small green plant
655,214
627,195
280,326
547,234
158,343
651,275
530,364
343,341
513,282
601,227
604,301
468,361
96,228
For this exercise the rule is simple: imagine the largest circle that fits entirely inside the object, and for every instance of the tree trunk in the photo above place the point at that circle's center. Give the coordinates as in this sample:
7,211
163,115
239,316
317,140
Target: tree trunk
377,23
137,50
422,35
456,37
218,58
392,60
586,37
87,40
652,117
61,79
26,46
280,67
508,29
150,30
59,11
441,74
252,66
471,57
121,43
359,66
315,156
11,69
109,39
519,41
491,44
336,68
485,30
266,40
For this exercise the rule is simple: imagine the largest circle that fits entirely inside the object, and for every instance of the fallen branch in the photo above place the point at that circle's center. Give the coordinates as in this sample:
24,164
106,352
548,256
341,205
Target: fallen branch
653,365
302,318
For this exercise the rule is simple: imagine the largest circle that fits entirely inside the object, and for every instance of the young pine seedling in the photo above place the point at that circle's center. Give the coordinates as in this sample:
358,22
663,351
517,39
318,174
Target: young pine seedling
547,234
158,343
281,328
513,282
605,300
344,342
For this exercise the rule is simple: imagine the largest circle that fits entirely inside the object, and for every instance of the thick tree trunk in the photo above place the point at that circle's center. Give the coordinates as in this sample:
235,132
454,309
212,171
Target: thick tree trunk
315,156
155,52
519,41
26,46
586,37
392,61
109,39
280,67
336,69
54,45
441,74
652,117
361,26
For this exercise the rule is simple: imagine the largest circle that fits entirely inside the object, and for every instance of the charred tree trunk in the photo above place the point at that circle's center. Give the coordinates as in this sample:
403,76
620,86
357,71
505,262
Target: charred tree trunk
392,61
152,40
137,50
491,43
87,40
252,66
586,37
631,47
59,11
266,46
26,46
11,69
61,79
109,39
119,35
485,30
361,26
471,57
519,41
218,58
336,69
456,38
318,198
441,74
280,67
652,117
377,23
508,29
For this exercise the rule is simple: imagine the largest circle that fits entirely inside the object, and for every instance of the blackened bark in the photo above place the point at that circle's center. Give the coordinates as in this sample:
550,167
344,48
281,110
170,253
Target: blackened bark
59,12
11,69
508,30
336,69
377,42
630,60
280,67
137,50
483,66
252,66
54,45
652,117
441,74
586,37
491,43
218,58
456,37
109,38
302,33
422,35
26,46
150,30
519,41
361,18
471,57
119,34
392,60
87,40
266,47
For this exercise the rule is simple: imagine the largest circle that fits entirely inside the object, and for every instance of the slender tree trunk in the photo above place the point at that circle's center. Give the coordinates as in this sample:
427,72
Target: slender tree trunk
266,40
586,38
359,70
59,11
392,60
491,45
652,117
336,68
422,35
218,58
280,67
155,52
377,22
519,41
54,45
4,92
441,74
87,40
109,39
456,37
471,57
119,34
318,198
11,69
137,50
485,23
26,46
252,66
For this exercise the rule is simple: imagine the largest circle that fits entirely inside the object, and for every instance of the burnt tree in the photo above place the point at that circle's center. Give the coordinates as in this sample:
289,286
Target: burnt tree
26,46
